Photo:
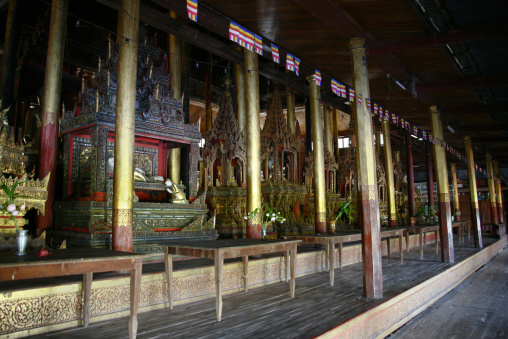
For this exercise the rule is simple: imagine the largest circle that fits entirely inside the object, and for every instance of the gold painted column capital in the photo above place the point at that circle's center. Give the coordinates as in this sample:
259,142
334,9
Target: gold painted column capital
356,43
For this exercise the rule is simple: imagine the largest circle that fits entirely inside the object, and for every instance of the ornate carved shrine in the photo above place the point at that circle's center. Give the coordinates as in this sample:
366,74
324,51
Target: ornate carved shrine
224,156
333,199
279,151
84,216
225,165
32,193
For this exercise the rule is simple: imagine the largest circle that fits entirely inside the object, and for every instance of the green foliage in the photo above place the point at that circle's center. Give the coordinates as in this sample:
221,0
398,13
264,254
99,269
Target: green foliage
9,206
345,211
429,215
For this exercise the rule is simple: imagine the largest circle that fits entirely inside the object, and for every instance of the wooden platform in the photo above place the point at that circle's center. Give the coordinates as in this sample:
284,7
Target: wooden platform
318,308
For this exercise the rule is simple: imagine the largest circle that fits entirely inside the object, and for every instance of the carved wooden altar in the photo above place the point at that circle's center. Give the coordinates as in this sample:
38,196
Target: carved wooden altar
83,216
225,163
31,192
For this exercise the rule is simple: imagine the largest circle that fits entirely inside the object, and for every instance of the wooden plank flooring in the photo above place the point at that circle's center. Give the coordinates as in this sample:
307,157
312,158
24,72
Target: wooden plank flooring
477,308
269,312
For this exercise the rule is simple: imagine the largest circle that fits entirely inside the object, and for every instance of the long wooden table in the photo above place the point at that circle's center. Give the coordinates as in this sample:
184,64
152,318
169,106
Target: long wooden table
75,261
422,230
330,239
218,250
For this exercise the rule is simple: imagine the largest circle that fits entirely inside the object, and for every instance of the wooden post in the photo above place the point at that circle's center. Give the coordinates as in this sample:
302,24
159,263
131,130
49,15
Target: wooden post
175,65
430,174
123,181
499,194
456,203
290,107
319,156
492,189
9,58
368,203
475,210
253,142
328,128
390,179
443,190
240,95
51,106
411,200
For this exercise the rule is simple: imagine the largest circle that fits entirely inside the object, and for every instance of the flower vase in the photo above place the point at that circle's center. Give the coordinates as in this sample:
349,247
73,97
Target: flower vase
22,241
263,233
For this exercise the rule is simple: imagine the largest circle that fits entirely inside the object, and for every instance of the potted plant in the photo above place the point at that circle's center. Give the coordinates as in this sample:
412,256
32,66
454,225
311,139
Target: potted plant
345,212
10,208
428,215
268,216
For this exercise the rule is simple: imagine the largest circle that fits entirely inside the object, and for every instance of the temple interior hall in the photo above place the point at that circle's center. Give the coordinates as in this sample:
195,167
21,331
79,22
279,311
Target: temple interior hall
253,169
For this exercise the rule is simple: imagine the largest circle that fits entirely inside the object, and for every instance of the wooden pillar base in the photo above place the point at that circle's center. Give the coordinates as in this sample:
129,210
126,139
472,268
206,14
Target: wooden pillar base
253,230
445,228
477,227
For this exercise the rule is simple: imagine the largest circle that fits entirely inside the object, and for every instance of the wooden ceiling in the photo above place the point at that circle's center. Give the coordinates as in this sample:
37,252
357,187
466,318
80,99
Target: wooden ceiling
456,50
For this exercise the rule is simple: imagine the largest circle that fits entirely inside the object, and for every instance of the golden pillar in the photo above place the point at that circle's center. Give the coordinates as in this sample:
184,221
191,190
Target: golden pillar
473,193
253,134
240,95
175,66
368,203
335,134
390,179
499,194
327,112
456,203
443,190
123,181
290,105
378,142
319,156
492,189
51,106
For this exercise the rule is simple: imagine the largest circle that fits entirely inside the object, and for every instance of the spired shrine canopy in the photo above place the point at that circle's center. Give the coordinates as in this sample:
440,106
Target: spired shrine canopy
84,215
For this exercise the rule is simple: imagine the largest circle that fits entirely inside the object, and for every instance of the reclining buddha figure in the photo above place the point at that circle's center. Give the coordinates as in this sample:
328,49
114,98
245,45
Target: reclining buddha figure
140,176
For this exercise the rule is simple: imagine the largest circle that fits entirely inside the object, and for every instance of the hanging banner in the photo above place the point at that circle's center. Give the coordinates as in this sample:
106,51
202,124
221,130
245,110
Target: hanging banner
318,77
258,44
290,63
297,66
234,32
351,95
376,108
192,9
275,54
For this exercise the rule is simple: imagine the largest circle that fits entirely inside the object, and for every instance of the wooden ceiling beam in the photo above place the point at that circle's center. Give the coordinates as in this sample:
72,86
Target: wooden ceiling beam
437,39
488,139
345,26
474,109
457,84
484,128
226,50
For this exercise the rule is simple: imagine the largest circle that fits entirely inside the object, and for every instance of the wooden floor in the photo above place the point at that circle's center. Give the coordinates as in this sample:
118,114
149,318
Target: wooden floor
477,308
269,312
